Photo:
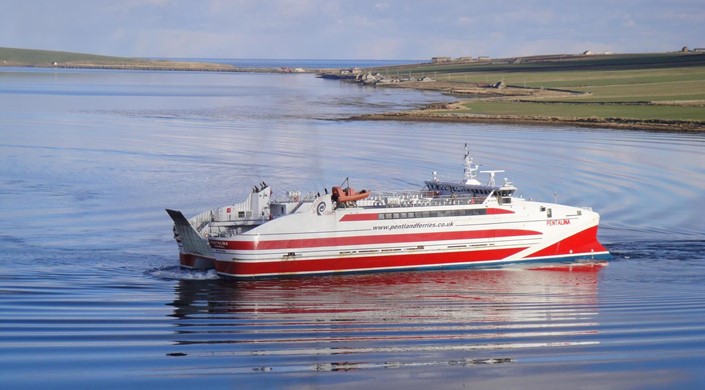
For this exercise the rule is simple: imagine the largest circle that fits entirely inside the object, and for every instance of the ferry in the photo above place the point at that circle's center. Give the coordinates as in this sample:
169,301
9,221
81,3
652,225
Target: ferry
446,224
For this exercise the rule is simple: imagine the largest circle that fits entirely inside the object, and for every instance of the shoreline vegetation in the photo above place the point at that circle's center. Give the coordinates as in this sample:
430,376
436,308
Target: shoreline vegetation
10,57
649,91
653,91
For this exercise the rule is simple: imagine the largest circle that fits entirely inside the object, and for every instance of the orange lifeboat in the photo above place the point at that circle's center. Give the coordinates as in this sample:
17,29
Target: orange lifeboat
348,194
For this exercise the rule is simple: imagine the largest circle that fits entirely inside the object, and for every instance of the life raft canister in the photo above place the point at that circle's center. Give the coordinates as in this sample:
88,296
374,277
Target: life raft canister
321,208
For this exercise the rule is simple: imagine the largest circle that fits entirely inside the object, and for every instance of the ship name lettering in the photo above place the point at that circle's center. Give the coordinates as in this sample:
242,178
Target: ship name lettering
219,244
557,222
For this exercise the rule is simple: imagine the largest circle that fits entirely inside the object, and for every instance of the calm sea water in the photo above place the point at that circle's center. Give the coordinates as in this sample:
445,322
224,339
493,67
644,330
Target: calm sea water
91,297
302,63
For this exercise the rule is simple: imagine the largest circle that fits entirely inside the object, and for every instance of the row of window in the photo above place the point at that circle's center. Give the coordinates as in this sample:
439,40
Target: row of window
432,214
459,189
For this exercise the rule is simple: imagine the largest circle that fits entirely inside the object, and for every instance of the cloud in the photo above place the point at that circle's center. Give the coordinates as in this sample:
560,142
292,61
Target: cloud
344,29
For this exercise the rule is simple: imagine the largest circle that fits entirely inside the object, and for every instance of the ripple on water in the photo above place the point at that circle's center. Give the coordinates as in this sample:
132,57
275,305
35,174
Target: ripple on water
90,294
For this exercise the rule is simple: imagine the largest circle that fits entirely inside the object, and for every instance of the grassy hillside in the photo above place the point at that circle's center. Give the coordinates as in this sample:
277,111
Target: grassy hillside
45,58
558,62
668,86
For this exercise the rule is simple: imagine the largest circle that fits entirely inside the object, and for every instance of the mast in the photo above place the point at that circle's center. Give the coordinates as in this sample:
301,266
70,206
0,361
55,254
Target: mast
470,170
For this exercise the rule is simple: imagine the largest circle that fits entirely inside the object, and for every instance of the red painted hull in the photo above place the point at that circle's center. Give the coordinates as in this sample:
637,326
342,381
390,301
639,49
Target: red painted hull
191,261
359,264
583,245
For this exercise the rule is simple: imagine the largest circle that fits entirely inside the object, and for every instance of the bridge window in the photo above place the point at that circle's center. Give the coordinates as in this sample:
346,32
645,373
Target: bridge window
433,214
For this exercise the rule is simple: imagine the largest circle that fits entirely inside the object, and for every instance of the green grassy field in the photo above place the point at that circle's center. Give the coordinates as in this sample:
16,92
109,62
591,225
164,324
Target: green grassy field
46,57
669,85
663,84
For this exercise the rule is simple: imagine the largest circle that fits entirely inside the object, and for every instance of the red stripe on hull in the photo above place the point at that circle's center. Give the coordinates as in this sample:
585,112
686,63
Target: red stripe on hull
192,261
583,242
367,240
493,211
359,217
351,264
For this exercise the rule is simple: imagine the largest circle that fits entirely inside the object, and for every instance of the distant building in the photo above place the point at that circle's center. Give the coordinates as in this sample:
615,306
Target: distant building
596,53
483,58
351,71
438,60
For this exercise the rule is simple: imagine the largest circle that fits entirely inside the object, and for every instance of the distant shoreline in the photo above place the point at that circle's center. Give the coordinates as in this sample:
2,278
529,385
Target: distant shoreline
440,112
29,58
649,92
599,91
171,67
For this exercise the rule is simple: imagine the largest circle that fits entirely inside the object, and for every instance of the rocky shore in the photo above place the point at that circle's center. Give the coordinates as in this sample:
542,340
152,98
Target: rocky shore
614,123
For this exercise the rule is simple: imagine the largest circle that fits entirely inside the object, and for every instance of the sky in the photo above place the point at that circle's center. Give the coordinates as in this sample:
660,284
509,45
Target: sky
352,29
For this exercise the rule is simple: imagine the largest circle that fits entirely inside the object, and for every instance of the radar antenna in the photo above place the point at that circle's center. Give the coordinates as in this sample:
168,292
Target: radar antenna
491,182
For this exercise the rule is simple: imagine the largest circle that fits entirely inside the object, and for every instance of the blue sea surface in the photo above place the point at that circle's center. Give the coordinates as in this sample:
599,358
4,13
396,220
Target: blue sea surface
91,295
301,63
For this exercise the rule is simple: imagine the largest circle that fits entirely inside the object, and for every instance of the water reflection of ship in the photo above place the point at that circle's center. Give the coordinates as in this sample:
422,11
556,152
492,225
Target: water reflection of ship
499,304
384,320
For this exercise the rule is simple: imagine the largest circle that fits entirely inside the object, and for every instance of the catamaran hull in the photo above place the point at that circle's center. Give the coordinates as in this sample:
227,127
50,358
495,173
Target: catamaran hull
368,265
341,251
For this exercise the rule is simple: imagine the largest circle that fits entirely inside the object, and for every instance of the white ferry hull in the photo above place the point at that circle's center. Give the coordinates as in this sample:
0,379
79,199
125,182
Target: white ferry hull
360,240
